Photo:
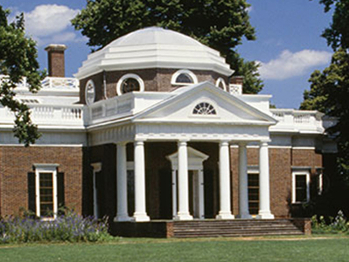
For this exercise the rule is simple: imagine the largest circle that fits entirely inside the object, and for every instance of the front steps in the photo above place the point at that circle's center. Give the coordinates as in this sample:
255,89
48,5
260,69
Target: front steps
212,228
235,228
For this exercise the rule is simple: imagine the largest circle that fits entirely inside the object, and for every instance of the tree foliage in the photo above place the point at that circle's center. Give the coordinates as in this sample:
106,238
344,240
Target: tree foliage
329,90
17,60
220,24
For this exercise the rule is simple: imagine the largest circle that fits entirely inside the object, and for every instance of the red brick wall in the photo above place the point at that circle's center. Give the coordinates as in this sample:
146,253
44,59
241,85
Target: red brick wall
155,79
281,161
17,161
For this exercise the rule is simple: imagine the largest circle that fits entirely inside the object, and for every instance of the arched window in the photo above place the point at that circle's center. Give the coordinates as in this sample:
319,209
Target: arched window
204,108
184,77
221,83
90,92
129,83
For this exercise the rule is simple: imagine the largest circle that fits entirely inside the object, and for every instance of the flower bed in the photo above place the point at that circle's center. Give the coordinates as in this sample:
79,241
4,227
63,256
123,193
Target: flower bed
70,227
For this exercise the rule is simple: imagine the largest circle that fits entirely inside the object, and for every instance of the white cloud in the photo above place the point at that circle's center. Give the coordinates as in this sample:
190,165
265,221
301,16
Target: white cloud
290,64
50,23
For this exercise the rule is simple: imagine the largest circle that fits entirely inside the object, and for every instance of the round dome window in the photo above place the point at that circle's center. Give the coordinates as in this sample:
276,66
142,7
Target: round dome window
184,77
129,83
90,92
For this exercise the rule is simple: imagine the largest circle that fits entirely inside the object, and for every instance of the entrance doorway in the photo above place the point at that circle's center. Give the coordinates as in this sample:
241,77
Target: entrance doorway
195,183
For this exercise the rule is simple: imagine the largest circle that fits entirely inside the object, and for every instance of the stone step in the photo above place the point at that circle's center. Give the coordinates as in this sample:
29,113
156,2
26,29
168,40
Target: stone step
214,228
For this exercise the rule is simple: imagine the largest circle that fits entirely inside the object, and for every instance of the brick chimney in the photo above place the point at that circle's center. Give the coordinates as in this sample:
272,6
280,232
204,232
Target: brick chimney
235,85
56,60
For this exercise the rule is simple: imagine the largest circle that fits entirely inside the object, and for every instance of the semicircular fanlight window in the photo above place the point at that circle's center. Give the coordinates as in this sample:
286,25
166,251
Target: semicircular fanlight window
204,108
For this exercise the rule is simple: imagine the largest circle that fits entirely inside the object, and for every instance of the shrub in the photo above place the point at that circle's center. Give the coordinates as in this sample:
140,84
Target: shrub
70,227
336,225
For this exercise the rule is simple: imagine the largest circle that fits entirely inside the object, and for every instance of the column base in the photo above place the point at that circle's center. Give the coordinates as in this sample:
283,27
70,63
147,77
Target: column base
225,215
244,216
140,217
122,218
183,216
265,215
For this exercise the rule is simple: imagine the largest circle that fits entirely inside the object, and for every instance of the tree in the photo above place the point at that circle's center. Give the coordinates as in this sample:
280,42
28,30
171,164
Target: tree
218,24
329,90
17,60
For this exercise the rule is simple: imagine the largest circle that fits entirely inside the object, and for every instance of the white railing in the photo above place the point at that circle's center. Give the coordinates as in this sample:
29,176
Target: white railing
302,120
50,82
60,82
113,107
71,115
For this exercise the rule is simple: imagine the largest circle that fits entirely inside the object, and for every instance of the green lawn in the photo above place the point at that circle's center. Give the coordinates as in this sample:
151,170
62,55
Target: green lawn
277,249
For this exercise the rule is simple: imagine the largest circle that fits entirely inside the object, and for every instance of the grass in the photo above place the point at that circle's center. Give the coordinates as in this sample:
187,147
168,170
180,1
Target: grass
219,249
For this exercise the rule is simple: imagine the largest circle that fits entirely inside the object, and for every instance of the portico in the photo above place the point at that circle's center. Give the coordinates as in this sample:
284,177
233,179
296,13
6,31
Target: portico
185,189
233,123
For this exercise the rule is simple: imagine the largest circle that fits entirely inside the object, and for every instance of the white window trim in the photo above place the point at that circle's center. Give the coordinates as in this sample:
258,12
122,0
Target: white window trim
134,76
46,168
183,71
90,82
294,174
221,80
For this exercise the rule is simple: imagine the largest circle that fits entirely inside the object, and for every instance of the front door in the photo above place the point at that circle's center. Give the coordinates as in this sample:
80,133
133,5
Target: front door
195,183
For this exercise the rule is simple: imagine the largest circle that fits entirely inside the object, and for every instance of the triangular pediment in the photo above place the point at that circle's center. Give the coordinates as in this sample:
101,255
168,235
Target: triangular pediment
204,102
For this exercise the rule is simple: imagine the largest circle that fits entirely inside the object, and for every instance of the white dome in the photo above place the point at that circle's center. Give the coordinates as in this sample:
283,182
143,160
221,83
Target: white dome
154,47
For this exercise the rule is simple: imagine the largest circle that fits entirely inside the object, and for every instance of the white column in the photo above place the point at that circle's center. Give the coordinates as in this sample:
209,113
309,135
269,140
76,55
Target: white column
224,182
201,194
243,183
183,190
121,181
174,193
264,193
140,213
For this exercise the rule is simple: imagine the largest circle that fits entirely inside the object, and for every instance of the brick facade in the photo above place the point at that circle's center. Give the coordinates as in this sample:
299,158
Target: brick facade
75,163
15,164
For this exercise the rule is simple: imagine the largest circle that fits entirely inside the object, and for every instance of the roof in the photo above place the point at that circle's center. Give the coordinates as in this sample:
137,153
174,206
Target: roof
154,47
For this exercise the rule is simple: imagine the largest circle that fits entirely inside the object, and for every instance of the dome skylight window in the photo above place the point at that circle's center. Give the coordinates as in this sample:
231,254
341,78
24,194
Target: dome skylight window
204,108
129,83
90,92
221,84
183,77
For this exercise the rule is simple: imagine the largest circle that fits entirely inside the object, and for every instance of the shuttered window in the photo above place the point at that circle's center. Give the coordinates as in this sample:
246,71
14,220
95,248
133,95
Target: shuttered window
45,190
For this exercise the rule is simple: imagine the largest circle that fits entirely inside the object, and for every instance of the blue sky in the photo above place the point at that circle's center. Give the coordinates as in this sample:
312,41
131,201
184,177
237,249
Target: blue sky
288,46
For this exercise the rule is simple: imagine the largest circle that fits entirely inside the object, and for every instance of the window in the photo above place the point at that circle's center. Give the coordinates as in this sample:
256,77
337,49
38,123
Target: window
129,83
90,92
221,84
183,77
300,190
46,190
253,193
204,108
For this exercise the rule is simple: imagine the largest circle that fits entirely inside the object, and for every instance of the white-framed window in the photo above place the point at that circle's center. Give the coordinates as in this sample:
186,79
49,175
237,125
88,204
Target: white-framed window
204,108
300,186
46,190
129,83
184,77
221,84
90,92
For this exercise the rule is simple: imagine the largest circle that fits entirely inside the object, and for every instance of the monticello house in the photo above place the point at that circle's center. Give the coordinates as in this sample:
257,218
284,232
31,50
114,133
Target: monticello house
155,133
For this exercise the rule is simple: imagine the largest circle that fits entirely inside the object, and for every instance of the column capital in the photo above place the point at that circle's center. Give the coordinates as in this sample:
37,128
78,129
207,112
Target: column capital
182,142
224,143
242,144
264,142
139,142
97,167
